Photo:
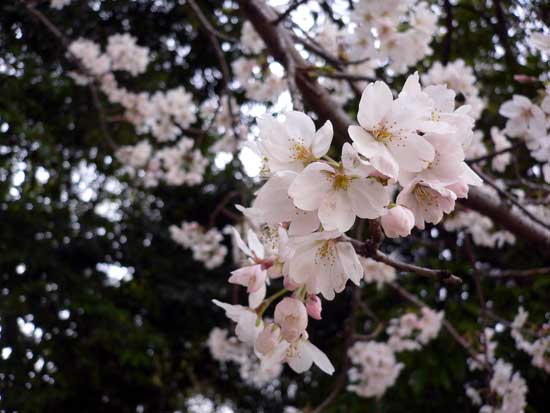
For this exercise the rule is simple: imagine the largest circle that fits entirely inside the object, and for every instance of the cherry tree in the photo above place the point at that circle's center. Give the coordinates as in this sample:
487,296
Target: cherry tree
362,144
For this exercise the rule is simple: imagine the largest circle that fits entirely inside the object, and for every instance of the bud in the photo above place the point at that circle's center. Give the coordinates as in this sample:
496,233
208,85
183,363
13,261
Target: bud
267,339
398,222
291,315
314,306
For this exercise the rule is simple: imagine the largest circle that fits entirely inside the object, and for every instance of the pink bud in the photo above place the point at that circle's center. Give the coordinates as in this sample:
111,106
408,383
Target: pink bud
314,306
289,284
398,222
268,339
291,315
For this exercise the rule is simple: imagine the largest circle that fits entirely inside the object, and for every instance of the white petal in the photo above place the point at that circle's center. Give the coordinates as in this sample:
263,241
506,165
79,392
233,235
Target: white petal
319,357
310,186
322,140
336,211
375,103
304,222
413,153
298,125
256,298
255,244
350,261
240,243
302,359
368,198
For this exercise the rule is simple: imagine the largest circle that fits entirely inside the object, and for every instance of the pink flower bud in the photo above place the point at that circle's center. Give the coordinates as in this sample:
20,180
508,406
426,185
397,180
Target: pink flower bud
291,315
268,339
398,222
314,306
289,284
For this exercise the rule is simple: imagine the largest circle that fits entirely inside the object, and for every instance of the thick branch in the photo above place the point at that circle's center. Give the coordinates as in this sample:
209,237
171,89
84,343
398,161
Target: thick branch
516,223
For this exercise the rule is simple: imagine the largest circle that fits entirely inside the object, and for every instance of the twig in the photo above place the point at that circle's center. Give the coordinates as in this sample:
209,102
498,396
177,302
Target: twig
366,249
532,272
494,154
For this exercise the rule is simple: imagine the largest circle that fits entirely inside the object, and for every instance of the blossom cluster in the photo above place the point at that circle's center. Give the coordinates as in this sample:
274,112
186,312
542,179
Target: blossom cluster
538,349
163,114
460,78
228,349
509,387
530,122
310,201
206,246
374,364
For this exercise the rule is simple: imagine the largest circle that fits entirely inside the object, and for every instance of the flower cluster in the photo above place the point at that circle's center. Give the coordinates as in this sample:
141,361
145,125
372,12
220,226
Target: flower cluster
375,367
378,35
480,227
410,332
206,245
509,387
460,78
539,349
310,201
163,114
228,349
530,122
374,370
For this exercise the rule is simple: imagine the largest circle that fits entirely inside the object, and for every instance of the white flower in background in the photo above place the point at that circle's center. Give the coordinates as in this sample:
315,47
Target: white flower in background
500,162
540,41
250,41
480,227
205,245
377,272
135,156
248,324
510,388
428,201
293,143
323,263
522,115
374,370
538,349
388,136
410,332
89,53
126,55
339,194
460,78
228,349
59,4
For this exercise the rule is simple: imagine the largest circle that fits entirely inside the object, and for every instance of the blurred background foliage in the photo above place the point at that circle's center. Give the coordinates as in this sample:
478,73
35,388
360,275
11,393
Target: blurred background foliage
100,311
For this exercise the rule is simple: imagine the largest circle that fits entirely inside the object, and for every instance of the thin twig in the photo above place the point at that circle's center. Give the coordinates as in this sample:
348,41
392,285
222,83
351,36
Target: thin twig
494,154
532,272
